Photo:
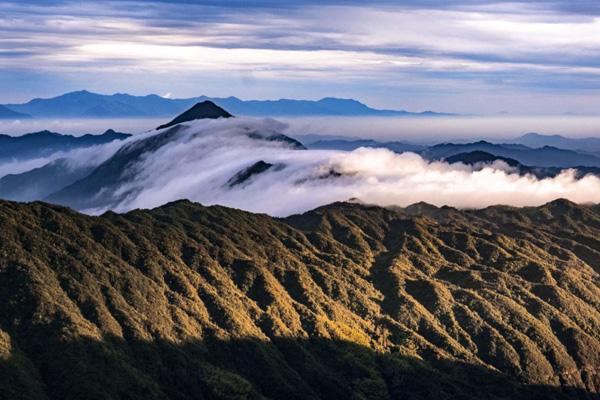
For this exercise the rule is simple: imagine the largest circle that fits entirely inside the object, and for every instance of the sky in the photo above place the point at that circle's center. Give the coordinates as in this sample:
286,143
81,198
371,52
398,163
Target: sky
475,56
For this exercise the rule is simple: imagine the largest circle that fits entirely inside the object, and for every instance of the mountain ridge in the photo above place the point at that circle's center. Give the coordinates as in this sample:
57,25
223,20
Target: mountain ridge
481,158
533,139
546,156
87,104
44,143
344,300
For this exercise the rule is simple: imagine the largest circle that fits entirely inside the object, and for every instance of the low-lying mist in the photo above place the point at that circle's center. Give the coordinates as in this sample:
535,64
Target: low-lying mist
199,161
418,130
312,178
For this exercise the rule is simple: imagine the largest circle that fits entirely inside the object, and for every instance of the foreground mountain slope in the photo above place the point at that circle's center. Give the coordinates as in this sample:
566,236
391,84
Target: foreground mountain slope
346,301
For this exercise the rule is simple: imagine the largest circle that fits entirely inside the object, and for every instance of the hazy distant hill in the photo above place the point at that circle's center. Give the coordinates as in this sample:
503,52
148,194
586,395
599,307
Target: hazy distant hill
547,157
542,157
6,113
343,302
476,157
353,144
578,144
87,104
481,159
41,182
44,143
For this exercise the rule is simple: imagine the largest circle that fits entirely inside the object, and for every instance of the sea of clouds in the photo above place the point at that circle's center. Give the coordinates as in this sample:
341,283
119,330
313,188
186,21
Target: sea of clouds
198,162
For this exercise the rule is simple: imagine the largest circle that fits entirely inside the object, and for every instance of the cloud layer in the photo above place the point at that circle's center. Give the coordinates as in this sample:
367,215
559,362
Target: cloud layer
199,161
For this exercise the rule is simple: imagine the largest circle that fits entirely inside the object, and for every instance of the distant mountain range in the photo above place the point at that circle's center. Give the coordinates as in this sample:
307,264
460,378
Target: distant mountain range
546,156
589,145
84,104
44,143
353,144
481,159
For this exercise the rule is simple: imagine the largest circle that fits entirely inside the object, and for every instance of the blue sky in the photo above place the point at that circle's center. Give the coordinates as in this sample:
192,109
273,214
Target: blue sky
487,57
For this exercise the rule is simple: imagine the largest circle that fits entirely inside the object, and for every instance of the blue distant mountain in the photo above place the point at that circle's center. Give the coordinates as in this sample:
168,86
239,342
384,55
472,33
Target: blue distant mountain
349,145
546,157
84,104
481,159
590,144
45,143
40,182
7,113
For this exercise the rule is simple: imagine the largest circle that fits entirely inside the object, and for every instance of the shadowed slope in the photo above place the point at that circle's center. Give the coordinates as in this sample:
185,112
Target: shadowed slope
346,301
40,182
44,143
7,113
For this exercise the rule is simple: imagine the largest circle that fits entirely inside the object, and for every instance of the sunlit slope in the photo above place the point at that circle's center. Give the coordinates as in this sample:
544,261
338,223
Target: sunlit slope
346,301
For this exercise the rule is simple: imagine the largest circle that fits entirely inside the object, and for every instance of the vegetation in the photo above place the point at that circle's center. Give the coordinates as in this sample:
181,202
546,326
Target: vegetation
344,302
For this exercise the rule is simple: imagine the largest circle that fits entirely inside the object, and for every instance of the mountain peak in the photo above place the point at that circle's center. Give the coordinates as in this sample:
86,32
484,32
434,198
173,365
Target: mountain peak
78,93
202,110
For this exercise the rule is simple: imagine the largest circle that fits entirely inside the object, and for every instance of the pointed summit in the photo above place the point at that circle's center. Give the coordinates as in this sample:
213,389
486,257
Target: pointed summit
205,109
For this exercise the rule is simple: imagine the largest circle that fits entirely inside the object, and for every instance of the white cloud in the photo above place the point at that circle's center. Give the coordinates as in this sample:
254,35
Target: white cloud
200,160
315,39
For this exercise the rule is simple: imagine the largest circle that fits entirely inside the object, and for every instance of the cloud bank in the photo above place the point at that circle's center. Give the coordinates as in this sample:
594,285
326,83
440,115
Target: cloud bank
199,161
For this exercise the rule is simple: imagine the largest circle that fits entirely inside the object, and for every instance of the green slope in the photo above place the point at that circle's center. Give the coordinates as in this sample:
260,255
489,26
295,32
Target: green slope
344,302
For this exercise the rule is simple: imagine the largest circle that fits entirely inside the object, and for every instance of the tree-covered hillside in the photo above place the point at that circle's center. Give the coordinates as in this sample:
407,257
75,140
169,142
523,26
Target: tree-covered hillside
344,302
